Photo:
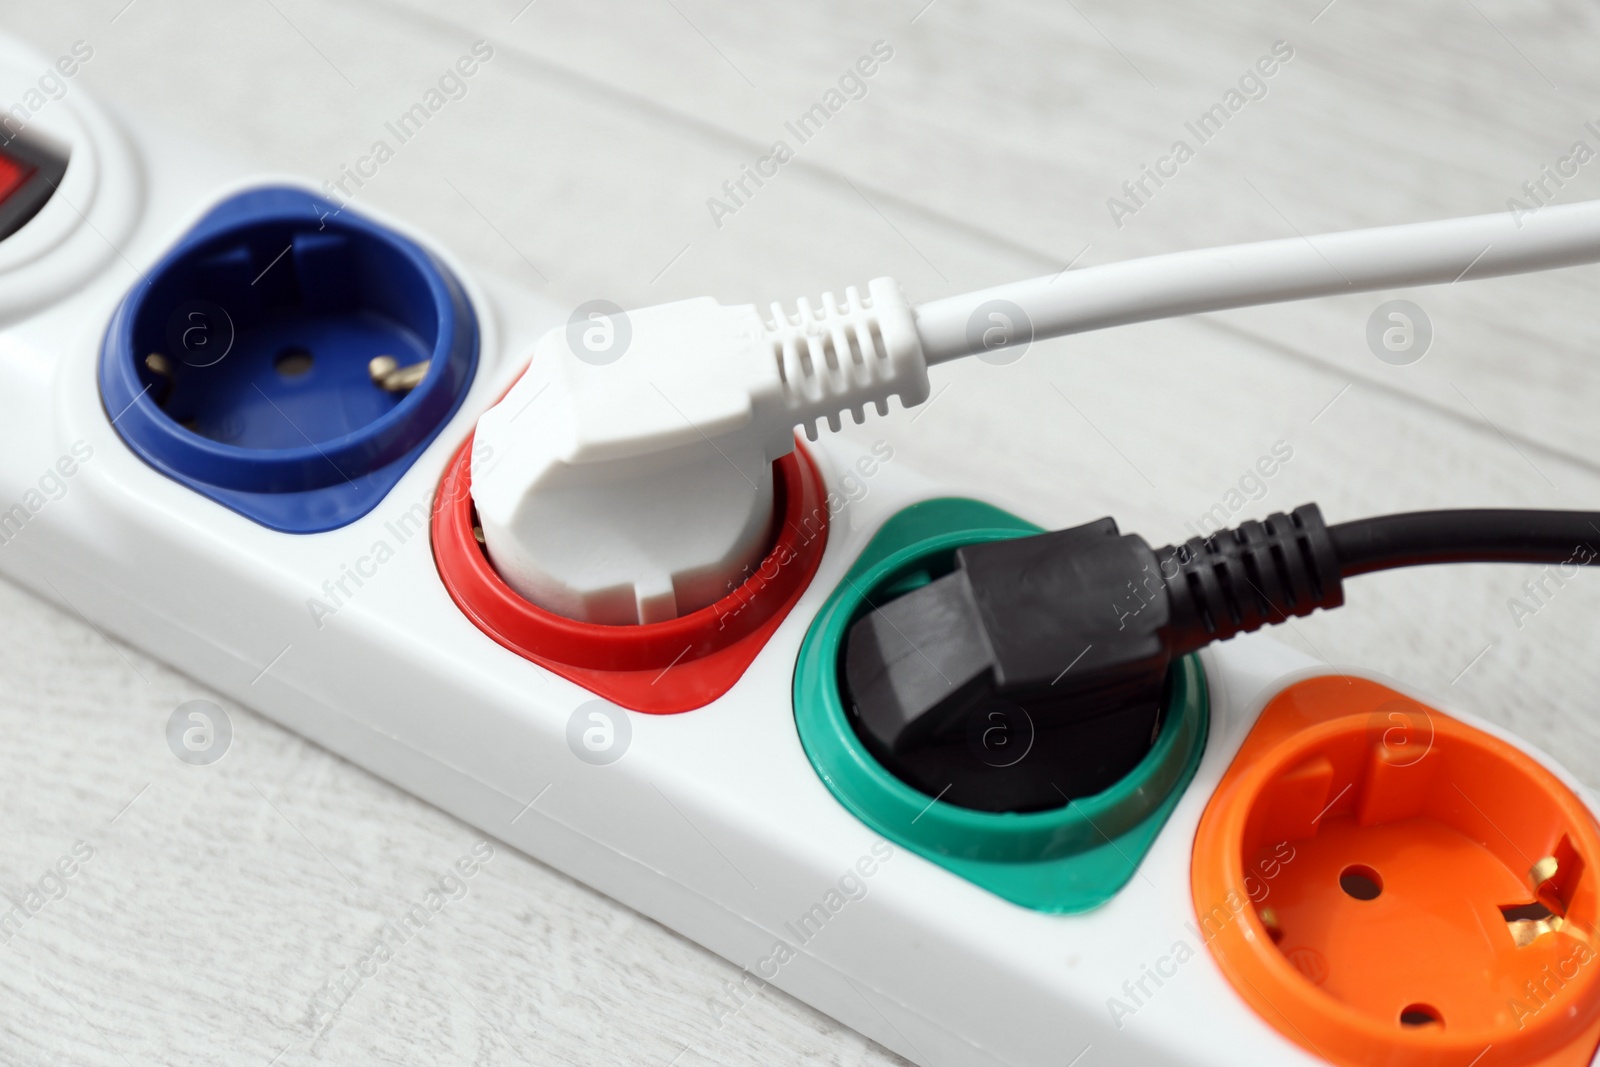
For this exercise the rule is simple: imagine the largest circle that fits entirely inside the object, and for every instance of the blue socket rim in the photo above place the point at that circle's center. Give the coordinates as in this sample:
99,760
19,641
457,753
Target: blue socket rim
316,486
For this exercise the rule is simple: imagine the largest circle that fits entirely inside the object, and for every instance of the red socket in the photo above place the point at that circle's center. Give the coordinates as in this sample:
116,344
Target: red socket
660,667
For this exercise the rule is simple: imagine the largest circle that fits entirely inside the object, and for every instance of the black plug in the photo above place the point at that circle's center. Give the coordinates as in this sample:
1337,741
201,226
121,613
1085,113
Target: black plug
1036,671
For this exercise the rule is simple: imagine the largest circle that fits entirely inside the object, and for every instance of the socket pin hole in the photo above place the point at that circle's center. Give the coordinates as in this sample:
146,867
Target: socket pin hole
292,362
1420,1015
1361,882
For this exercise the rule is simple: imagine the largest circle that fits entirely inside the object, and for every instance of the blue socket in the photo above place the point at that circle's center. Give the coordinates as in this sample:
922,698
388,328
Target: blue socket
240,366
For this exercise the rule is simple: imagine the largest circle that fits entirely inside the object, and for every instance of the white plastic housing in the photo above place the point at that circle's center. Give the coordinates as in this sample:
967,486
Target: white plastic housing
639,489
80,229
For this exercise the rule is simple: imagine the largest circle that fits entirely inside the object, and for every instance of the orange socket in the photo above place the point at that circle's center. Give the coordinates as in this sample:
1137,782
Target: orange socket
1385,884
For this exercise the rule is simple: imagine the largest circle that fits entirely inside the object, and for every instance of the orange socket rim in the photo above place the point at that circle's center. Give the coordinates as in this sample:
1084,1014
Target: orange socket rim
1385,884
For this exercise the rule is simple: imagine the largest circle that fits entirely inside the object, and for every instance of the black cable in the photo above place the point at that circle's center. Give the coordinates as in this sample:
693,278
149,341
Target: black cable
1467,536
1074,633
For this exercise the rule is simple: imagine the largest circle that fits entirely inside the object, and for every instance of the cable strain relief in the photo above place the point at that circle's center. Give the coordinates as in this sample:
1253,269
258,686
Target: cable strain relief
1237,581
843,356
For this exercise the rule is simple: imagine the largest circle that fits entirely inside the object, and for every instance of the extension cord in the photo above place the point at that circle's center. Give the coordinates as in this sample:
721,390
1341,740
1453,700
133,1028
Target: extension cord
714,822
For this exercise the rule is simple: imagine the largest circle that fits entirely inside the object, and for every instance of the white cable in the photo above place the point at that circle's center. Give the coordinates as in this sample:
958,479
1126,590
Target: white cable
644,489
1213,279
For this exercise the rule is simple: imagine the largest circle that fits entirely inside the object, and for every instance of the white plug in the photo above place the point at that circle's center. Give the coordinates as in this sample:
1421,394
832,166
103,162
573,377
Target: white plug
639,490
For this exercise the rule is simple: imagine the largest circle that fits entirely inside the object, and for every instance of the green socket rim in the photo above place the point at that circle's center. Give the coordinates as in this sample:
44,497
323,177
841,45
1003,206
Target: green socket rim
1067,859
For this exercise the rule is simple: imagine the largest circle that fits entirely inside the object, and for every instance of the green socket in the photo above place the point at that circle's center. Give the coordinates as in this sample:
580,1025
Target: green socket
1068,859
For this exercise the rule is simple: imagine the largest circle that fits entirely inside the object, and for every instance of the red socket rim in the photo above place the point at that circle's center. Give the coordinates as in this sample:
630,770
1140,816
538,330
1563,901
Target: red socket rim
660,667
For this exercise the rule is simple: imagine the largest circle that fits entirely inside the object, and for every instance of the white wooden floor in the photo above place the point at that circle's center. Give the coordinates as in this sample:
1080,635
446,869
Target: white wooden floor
219,900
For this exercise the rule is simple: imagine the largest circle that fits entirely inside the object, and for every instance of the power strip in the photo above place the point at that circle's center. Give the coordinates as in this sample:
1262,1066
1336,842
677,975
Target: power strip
714,822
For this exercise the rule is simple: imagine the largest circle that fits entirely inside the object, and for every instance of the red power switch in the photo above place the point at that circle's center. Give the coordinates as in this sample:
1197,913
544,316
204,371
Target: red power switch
30,170
14,174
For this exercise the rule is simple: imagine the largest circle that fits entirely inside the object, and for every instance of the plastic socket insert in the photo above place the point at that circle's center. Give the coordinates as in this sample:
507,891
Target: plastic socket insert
1068,858
1386,884
262,365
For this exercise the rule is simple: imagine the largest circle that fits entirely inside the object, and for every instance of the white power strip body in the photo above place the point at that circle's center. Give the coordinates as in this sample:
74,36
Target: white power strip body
713,823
